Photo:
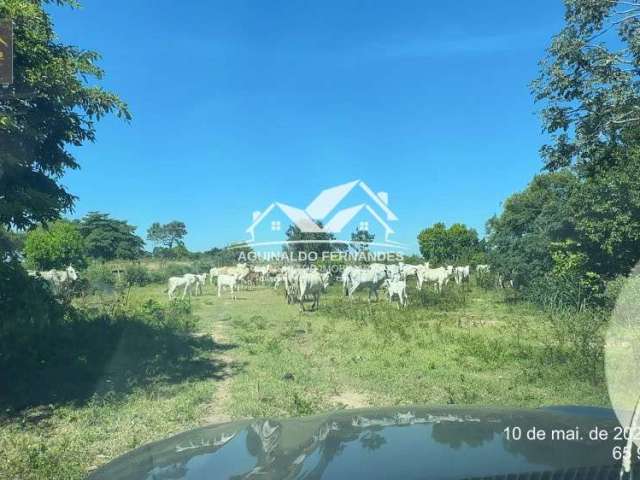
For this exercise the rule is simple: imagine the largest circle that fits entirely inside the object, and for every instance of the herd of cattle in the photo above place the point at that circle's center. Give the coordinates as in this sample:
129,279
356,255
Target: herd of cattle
307,283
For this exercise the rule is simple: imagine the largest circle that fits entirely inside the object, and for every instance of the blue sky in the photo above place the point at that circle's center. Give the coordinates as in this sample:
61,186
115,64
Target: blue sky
237,104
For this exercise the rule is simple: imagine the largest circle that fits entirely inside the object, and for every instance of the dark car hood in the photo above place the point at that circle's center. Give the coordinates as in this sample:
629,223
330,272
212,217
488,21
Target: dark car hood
408,442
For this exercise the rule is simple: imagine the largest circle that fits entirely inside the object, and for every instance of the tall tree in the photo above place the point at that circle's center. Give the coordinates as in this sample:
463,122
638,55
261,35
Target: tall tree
589,84
520,238
106,238
606,212
361,239
53,104
457,244
167,235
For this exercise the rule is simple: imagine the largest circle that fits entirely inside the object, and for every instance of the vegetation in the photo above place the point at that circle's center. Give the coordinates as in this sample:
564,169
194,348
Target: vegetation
56,246
167,235
128,367
64,101
456,245
87,378
111,373
589,86
106,238
361,239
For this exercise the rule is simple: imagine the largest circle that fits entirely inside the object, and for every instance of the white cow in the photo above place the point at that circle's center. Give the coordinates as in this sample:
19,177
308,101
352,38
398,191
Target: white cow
230,281
439,276
262,271
311,283
345,278
395,271
58,279
408,270
187,281
461,274
291,284
398,288
201,281
371,278
213,272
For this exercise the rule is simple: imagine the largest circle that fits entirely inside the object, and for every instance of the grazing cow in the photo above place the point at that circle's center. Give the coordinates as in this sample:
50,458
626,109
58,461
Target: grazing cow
230,281
394,271
397,288
461,274
311,283
408,270
371,278
345,278
57,279
240,271
439,276
261,273
201,281
212,273
187,281
291,275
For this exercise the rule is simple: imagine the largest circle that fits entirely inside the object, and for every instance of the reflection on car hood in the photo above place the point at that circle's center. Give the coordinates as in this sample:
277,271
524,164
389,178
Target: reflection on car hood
408,442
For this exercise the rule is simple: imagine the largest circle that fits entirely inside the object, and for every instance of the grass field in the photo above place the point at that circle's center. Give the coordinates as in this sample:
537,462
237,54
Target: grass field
259,356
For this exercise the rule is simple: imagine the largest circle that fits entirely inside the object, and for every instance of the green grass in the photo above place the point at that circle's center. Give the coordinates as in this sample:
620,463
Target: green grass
487,352
468,346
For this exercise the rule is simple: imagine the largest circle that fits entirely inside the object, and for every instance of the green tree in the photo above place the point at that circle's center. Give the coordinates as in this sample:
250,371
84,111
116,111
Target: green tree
589,84
56,246
53,103
457,244
519,240
606,211
361,240
167,235
106,238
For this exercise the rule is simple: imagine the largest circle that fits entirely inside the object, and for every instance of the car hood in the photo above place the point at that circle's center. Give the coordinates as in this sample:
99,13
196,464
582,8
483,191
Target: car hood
407,442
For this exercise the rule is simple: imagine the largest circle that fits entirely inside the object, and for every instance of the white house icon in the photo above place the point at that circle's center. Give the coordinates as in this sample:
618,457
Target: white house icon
325,203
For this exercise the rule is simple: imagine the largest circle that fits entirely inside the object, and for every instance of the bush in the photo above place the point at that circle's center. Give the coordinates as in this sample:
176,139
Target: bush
25,302
177,315
450,298
580,336
65,359
136,274
57,246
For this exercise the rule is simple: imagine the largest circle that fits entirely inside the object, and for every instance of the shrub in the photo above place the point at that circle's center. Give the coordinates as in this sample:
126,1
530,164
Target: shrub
27,305
177,315
136,274
57,246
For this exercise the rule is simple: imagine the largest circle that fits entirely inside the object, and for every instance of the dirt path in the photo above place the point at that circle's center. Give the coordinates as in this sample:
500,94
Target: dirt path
217,410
